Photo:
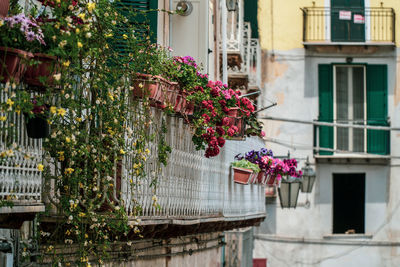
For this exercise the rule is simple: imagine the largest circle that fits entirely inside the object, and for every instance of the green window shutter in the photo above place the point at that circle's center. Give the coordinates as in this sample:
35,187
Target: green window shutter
325,88
250,15
378,142
145,23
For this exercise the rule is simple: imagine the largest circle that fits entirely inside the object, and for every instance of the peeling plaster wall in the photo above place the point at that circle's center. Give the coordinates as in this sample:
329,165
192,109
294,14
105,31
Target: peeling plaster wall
291,79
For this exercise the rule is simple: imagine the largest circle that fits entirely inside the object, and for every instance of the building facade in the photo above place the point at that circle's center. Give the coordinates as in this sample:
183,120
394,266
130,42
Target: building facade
332,68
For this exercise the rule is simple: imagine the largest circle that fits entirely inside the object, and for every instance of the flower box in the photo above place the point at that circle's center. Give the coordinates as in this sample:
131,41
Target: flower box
13,64
261,178
234,118
180,103
242,176
4,5
45,68
146,85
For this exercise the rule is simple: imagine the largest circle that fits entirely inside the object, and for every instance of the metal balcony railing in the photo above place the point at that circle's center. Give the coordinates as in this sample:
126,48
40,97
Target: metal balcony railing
20,179
348,25
190,187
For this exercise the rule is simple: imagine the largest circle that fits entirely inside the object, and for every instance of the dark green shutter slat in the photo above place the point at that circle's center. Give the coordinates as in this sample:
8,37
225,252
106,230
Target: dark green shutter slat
145,23
250,15
378,142
325,88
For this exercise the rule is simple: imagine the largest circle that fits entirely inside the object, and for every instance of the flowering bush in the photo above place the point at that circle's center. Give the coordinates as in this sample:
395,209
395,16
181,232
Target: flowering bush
21,32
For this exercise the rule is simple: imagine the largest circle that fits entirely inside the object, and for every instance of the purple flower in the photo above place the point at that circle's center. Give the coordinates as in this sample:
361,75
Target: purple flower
30,36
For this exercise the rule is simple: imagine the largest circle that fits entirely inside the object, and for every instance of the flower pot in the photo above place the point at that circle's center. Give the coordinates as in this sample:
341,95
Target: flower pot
146,85
4,5
171,93
46,68
234,119
270,180
12,64
261,178
37,127
179,103
241,176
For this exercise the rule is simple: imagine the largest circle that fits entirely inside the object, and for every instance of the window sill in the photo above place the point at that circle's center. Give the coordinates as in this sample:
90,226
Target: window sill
353,159
347,236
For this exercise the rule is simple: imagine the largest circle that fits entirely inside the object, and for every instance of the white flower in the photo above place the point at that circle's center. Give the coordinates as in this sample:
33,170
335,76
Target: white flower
70,217
88,35
57,76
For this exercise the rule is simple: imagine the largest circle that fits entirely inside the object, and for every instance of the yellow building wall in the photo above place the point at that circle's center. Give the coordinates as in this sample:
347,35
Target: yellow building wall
281,21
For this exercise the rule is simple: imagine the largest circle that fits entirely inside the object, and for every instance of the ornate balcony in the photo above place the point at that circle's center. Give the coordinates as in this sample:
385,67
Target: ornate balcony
192,191
347,27
20,180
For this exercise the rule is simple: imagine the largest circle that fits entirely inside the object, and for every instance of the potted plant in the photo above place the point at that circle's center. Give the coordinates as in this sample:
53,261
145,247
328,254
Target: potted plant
37,125
18,34
243,170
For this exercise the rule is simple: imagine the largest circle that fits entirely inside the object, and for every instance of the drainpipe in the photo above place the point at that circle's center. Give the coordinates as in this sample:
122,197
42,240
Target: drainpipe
224,46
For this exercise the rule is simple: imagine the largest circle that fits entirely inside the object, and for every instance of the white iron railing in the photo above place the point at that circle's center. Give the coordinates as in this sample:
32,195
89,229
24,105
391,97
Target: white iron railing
235,25
192,186
20,180
254,68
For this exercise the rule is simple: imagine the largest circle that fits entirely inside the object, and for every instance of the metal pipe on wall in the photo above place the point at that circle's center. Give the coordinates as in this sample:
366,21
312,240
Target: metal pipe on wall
224,45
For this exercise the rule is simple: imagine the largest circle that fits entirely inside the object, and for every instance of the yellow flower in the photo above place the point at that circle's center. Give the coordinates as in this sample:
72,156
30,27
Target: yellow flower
66,63
68,171
108,35
122,151
1,22
53,110
77,30
10,102
91,6
125,36
80,45
67,139
61,155
147,151
61,112
40,167
3,118
81,16
81,214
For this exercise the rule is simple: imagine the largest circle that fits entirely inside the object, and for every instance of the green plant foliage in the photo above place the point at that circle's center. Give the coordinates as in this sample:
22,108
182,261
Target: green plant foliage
245,164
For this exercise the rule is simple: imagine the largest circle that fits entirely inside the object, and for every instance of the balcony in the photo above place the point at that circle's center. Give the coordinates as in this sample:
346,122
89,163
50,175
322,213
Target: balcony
20,180
358,141
243,51
348,26
192,191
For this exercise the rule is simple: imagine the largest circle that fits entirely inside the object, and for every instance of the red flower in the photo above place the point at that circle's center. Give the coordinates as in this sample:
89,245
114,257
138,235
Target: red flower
232,130
220,131
210,131
221,141
206,118
226,121
222,102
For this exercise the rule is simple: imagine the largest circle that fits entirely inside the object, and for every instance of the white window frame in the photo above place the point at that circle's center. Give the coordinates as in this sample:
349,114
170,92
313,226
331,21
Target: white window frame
350,99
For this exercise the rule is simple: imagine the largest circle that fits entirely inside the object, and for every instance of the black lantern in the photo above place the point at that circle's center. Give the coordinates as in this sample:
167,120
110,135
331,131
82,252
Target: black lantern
288,193
308,179
231,5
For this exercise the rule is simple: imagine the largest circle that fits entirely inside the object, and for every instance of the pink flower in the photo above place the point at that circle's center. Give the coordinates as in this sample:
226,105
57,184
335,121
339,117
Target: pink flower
262,133
206,118
226,121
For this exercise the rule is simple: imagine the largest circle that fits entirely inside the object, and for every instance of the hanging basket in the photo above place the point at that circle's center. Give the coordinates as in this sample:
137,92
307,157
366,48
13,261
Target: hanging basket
37,127
4,5
45,69
12,64
241,176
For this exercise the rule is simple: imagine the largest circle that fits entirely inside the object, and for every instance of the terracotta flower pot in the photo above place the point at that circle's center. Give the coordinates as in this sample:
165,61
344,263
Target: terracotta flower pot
12,64
146,85
172,93
241,176
270,181
261,177
46,68
4,5
234,119
37,127
179,103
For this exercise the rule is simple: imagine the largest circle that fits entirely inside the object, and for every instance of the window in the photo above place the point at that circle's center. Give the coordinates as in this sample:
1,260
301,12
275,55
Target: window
349,203
349,108
347,20
354,95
